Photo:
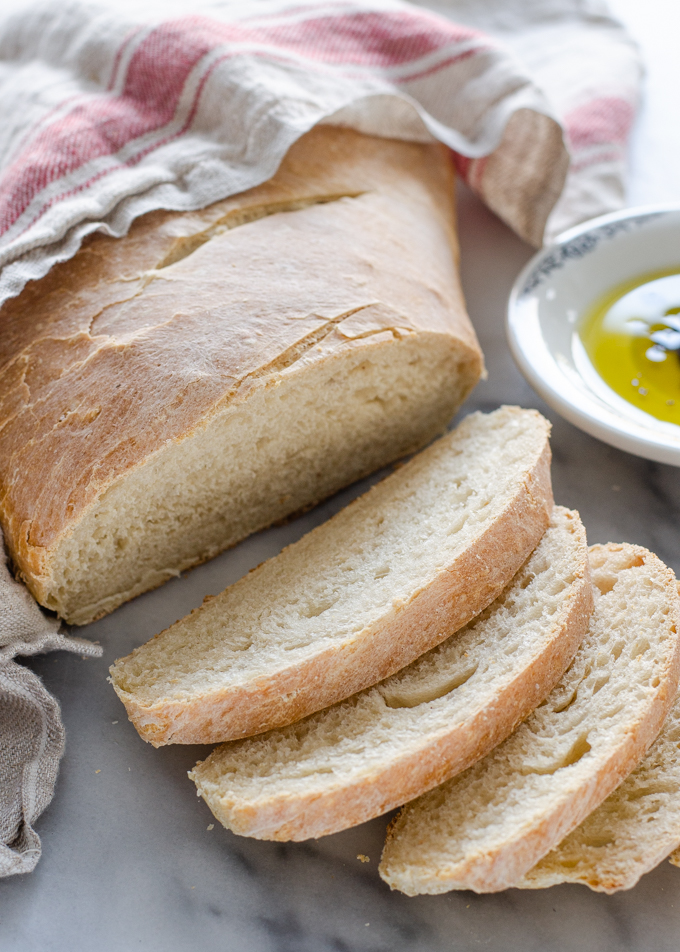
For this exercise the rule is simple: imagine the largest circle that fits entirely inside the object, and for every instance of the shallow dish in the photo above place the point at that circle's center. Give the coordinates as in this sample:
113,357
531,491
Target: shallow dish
554,292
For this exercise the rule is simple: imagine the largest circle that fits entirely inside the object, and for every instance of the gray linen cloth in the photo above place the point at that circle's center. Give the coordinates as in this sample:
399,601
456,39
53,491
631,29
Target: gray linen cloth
31,731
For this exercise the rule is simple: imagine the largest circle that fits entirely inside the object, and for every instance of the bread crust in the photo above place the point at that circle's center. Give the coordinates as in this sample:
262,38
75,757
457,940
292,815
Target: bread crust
318,813
505,866
137,343
458,594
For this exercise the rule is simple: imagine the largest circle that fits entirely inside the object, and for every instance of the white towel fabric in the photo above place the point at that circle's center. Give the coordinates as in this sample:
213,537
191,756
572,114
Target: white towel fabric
112,108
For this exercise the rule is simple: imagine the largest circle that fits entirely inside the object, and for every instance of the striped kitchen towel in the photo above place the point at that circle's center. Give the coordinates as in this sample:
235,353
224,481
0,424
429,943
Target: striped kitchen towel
109,108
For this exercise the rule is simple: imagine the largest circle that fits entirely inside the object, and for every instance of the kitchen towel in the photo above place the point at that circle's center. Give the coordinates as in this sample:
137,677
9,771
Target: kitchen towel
111,108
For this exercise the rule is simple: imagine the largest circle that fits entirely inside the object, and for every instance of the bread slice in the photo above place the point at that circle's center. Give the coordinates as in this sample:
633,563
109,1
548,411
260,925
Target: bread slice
635,828
164,394
363,595
630,833
394,741
488,827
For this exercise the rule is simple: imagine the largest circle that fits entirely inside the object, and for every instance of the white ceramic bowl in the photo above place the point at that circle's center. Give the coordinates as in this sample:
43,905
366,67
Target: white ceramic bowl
553,292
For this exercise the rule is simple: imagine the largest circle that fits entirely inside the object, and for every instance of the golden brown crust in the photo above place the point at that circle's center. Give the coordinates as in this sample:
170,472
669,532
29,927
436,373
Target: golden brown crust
458,594
318,814
136,342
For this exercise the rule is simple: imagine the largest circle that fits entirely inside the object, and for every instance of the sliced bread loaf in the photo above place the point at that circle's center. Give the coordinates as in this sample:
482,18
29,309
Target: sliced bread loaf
486,828
360,597
394,741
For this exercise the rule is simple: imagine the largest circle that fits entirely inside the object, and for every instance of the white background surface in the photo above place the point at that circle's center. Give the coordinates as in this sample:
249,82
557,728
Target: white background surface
655,149
129,862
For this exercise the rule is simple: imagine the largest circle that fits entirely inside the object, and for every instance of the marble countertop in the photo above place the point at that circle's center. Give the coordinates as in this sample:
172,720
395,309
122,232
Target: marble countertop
132,859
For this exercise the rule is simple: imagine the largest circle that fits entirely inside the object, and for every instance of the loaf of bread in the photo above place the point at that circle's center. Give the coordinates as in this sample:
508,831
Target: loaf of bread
485,829
358,598
394,741
165,394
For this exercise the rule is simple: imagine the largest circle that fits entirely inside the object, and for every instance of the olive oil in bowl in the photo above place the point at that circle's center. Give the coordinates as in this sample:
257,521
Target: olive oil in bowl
632,337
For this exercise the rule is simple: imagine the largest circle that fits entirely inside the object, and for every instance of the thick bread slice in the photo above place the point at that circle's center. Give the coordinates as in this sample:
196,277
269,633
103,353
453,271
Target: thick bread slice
635,828
164,394
394,741
630,833
486,828
383,581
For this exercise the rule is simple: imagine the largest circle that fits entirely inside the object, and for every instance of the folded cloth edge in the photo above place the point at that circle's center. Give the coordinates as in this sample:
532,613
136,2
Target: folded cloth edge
31,729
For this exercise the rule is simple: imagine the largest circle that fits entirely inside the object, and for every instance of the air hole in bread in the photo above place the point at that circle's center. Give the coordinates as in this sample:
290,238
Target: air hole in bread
314,609
605,583
576,752
600,683
639,648
566,704
613,712
423,695
598,843
653,789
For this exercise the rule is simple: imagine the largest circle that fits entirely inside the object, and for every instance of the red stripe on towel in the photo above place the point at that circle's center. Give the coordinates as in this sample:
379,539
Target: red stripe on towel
161,65
603,121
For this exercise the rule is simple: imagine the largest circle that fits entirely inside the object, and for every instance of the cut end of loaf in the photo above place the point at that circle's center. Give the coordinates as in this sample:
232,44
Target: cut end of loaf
297,437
